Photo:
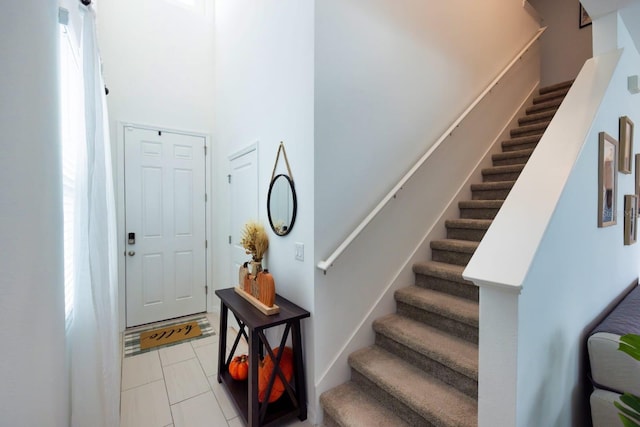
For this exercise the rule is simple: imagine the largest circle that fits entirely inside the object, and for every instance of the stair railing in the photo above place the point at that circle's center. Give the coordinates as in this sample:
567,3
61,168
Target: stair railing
328,263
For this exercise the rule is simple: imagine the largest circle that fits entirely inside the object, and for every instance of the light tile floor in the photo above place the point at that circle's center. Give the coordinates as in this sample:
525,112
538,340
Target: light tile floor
177,387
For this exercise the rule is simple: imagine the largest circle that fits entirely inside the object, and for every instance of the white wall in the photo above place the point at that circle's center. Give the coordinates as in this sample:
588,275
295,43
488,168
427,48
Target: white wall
264,92
158,63
565,46
34,388
389,79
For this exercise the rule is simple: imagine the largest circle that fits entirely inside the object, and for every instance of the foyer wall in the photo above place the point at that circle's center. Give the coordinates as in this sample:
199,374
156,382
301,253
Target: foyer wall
158,62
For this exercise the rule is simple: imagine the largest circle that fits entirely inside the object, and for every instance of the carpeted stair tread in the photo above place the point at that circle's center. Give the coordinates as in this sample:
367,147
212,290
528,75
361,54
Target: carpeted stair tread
544,106
492,190
498,185
520,143
464,246
479,209
449,306
455,353
479,204
442,270
559,93
554,87
466,229
498,170
532,129
453,251
536,118
350,406
444,277
502,173
516,154
437,403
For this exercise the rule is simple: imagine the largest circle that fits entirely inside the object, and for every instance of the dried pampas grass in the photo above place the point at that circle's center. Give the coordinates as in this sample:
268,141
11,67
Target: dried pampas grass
254,240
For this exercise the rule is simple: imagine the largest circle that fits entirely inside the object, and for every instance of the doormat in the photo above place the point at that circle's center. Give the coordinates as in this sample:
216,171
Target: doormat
169,334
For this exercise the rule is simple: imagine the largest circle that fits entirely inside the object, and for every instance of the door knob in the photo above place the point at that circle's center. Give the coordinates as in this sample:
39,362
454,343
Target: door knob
131,253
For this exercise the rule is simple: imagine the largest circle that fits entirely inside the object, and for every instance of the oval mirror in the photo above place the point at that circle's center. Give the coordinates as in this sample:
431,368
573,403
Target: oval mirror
282,204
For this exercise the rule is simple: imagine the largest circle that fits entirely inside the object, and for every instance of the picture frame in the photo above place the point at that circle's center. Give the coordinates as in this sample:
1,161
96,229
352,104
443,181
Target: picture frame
585,19
630,219
607,179
625,137
638,178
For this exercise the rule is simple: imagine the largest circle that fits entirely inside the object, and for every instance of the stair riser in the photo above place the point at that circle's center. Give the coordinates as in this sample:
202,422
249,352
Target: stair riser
497,177
468,291
450,257
451,326
389,401
465,234
521,160
489,195
482,213
447,375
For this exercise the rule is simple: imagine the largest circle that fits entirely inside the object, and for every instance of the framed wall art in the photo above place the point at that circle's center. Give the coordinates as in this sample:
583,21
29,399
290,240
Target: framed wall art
626,144
638,178
585,19
630,219
607,179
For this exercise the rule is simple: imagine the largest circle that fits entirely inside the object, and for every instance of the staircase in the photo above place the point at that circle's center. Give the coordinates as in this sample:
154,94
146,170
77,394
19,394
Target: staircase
423,368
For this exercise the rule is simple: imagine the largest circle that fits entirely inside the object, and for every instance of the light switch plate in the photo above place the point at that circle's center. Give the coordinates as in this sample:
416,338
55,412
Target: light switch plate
300,251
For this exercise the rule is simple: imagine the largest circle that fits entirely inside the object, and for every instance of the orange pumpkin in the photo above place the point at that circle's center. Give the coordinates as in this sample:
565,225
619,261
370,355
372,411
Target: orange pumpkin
267,288
239,367
264,373
247,283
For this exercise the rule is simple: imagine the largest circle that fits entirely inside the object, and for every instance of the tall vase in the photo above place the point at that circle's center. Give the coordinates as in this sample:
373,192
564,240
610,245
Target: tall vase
256,267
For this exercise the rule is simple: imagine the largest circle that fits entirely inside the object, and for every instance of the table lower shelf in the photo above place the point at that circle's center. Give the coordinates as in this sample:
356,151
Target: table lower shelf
277,411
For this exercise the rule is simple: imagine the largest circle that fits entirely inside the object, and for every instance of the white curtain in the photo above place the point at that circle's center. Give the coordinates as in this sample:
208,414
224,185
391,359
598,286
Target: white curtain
93,333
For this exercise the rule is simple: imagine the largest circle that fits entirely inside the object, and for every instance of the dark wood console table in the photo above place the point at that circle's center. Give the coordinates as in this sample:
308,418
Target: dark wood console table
253,324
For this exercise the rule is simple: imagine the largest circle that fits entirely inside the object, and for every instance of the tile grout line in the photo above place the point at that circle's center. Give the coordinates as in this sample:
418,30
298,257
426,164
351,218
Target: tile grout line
166,389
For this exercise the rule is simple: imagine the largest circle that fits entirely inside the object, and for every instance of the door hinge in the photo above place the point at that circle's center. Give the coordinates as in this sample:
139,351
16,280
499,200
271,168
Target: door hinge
205,197
205,150
229,179
206,290
229,238
206,244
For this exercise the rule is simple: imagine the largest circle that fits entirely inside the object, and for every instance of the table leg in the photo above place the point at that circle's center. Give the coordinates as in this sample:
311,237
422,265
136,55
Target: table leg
253,414
222,341
301,386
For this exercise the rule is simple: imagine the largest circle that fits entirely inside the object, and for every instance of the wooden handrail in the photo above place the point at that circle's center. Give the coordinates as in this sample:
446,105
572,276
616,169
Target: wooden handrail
325,265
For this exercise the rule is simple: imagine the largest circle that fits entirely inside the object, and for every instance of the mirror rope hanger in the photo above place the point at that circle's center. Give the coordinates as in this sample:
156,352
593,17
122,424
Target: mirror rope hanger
286,160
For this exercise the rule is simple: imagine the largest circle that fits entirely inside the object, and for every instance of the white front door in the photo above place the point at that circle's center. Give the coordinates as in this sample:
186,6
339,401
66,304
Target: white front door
165,225
243,180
